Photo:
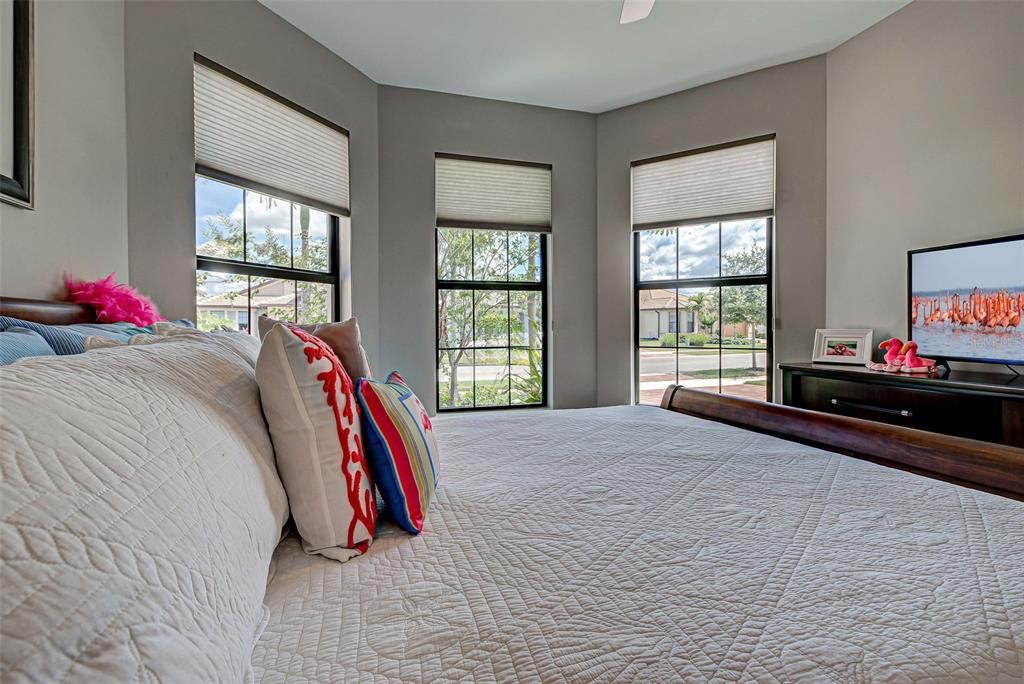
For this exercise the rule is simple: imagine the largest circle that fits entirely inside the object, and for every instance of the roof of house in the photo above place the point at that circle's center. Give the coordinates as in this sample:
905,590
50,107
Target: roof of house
661,299
235,296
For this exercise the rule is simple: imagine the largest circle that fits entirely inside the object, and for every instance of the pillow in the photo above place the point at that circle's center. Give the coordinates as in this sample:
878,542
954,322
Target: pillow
343,338
17,343
61,338
148,335
70,339
113,301
313,418
401,448
264,324
141,510
120,332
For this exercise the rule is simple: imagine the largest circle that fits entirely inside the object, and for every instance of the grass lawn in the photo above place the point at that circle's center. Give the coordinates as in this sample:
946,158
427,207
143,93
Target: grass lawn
702,351
726,373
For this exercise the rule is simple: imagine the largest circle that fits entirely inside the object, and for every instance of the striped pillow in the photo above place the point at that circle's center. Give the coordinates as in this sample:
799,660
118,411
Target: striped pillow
400,447
20,343
61,338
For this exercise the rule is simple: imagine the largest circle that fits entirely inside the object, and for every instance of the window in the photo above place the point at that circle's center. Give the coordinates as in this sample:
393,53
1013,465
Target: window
271,205
491,283
262,255
714,269
490,318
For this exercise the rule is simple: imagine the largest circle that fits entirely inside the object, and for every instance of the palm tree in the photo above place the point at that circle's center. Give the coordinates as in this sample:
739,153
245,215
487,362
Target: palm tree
702,306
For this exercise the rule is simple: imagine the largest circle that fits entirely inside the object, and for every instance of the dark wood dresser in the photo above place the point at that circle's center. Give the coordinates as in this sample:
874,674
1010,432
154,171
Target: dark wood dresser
985,406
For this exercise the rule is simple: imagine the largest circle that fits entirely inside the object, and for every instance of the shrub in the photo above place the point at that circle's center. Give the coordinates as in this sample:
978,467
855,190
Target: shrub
696,339
668,340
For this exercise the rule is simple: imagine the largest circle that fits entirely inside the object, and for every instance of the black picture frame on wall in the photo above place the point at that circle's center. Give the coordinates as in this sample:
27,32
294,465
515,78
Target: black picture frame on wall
17,188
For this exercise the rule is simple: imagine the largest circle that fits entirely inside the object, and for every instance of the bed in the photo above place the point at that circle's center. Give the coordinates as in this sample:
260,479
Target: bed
684,543
638,544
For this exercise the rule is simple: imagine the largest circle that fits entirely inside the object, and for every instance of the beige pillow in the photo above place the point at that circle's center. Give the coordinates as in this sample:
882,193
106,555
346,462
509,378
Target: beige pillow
264,324
310,406
345,340
343,337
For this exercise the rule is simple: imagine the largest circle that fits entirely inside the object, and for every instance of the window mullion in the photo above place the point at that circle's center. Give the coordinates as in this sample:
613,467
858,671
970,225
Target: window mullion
245,226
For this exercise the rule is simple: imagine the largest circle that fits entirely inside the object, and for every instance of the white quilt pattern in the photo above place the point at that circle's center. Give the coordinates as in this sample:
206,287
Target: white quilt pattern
140,510
633,544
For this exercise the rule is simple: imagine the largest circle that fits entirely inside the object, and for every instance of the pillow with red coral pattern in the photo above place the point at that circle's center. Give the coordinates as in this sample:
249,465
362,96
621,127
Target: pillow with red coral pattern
311,410
113,302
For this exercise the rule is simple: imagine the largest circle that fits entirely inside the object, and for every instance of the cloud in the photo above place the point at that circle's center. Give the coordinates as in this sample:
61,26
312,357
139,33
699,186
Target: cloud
698,248
738,236
263,212
657,256
698,251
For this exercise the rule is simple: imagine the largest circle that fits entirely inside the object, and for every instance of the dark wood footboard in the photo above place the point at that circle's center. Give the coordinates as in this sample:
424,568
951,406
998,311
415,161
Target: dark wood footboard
981,465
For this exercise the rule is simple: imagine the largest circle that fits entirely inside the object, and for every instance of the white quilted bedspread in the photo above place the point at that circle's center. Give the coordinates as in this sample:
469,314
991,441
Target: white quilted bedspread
140,510
633,544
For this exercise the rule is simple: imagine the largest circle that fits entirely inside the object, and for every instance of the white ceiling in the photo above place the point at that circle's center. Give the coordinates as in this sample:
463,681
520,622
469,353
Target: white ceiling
573,54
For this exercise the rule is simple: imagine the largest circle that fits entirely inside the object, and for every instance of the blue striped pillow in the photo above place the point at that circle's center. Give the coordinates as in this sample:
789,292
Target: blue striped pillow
61,340
400,447
18,343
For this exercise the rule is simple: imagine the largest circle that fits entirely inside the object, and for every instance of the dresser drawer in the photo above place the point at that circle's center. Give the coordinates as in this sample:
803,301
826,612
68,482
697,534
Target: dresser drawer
978,417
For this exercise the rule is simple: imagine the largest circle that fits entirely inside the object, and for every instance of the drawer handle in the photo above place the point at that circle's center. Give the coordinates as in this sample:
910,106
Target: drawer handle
906,413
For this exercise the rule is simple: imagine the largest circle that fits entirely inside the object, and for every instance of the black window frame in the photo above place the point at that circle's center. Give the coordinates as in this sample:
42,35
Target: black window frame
475,286
718,282
332,276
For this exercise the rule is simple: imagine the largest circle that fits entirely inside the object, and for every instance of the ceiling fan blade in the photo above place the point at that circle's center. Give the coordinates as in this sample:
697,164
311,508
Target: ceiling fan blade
635,10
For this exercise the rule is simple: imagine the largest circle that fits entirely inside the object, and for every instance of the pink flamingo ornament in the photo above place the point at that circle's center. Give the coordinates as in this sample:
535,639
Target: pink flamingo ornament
893,356
912,363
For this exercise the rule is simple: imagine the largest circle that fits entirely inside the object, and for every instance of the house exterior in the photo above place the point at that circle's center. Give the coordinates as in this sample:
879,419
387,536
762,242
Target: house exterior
664,311
236,309
660,311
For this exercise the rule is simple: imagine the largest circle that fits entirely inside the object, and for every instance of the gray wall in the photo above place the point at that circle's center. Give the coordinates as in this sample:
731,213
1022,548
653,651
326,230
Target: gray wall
414,124
787,100
925,147
79,222
160,38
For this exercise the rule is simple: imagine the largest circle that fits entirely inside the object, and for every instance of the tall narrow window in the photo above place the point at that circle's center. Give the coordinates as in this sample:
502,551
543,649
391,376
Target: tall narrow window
492,220
271,206
702,243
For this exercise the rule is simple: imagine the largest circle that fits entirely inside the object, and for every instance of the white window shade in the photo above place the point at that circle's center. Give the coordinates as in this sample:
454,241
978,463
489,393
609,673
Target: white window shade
246,134
728,181
485,194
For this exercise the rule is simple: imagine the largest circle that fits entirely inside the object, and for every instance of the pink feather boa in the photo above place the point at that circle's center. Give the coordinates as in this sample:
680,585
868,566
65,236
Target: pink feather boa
114,302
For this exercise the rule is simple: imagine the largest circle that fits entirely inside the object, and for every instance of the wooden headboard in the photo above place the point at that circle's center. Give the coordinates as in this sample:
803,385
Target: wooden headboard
980,465
44,311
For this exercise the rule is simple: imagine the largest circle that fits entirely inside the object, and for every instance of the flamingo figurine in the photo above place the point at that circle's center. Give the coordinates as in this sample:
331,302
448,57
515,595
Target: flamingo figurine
912,363
893,356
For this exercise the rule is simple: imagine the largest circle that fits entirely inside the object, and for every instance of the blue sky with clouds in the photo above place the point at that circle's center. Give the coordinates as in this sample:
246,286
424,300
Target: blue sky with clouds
698,249
213,198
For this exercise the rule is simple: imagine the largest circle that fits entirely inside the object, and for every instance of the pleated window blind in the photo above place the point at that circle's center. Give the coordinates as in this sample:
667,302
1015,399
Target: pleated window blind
726,181
491,194
246,133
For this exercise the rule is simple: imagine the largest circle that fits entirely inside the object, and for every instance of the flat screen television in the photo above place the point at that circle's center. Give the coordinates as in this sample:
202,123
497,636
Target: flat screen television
966,300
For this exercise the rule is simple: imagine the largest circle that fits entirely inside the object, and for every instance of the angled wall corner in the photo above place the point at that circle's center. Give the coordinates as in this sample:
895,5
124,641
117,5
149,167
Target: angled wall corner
925,147
787,100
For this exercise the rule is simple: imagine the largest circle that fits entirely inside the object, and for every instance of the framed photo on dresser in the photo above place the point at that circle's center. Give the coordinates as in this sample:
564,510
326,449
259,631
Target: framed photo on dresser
16,102
851,346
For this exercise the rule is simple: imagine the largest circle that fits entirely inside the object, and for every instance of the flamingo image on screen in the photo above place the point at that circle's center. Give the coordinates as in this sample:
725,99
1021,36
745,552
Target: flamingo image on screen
966,301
